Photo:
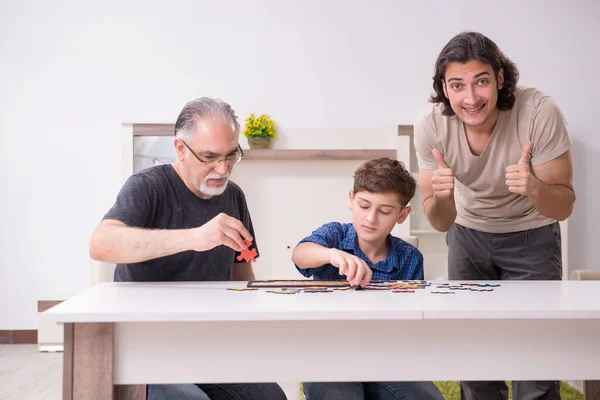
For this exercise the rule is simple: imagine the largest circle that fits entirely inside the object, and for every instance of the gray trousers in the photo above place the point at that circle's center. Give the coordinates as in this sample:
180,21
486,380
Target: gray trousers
227,391
534,254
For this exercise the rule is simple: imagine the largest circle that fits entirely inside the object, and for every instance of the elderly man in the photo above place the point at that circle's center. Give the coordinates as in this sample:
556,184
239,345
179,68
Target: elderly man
186,221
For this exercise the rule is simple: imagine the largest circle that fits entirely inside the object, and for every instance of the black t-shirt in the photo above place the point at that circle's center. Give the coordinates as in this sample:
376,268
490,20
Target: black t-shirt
157,198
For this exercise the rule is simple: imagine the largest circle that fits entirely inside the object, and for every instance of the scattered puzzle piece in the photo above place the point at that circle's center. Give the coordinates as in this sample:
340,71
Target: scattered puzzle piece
247,254
317,290
283,291
241,289
408,287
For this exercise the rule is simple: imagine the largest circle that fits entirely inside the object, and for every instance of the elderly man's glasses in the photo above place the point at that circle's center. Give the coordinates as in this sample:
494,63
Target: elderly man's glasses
210,160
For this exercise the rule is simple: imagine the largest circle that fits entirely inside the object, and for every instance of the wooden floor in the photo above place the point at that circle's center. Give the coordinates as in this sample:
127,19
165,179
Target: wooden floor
26,374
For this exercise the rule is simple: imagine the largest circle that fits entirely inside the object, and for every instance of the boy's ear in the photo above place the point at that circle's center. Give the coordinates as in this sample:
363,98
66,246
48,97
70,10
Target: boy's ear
404,214
350,199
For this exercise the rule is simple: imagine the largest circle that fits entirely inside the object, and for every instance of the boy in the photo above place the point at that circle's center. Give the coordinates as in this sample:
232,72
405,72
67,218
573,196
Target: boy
365,250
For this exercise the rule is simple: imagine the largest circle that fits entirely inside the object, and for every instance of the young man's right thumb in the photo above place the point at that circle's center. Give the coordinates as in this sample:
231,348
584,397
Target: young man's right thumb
440,160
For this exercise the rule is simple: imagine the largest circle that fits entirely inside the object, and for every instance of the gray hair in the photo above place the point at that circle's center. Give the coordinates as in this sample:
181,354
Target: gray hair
203,108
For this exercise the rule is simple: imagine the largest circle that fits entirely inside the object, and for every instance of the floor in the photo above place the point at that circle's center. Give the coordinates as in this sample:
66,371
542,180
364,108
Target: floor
26,374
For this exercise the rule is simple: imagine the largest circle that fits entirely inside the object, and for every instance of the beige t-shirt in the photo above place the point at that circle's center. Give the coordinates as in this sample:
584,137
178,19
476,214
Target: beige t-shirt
483,201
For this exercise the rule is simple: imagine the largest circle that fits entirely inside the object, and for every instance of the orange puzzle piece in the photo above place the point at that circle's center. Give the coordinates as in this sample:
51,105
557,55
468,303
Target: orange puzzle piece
247,254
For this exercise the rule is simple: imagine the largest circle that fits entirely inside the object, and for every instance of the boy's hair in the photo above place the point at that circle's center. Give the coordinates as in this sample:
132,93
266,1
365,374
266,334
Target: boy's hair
467,46
385,175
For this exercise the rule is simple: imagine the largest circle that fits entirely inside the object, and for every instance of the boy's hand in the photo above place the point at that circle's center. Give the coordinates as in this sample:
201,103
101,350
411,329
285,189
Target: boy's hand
356,270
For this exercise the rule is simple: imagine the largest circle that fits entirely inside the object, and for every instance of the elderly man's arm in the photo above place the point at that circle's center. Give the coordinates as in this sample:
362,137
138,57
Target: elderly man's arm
115,242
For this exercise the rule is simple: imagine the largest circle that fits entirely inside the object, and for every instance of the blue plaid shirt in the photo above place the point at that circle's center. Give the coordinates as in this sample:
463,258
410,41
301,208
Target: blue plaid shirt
404,261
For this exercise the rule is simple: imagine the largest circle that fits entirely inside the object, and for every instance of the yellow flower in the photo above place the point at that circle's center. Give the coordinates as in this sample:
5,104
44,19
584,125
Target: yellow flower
261,126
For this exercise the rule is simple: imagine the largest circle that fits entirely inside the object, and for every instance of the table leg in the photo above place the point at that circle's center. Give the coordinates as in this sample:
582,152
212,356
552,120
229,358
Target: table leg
68,362
591,390
130,392
88,361
88,365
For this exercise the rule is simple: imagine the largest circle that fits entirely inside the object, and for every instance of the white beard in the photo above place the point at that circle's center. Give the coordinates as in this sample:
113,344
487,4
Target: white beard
207,190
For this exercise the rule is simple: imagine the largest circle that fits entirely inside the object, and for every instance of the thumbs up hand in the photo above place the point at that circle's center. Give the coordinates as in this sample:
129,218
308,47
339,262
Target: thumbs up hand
519,178
443,178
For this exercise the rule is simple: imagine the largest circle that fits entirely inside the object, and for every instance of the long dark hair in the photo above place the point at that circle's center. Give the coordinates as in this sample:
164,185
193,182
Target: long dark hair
468,46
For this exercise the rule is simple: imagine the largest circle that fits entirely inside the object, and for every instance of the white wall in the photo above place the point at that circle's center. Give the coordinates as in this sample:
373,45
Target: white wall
71,73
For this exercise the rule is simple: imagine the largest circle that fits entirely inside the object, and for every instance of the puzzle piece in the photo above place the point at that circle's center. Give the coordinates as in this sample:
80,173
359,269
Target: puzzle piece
241,289
247,254
283,291
408,287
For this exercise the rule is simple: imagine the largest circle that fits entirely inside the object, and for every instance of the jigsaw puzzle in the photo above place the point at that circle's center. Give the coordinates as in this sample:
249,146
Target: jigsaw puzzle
328,286
297,283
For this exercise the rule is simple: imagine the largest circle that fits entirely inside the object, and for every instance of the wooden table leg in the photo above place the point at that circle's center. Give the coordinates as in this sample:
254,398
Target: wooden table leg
68,362
88,362
591,390
130,392
88,365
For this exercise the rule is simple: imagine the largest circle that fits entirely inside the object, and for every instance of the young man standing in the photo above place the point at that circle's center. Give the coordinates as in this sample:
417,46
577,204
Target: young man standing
504,151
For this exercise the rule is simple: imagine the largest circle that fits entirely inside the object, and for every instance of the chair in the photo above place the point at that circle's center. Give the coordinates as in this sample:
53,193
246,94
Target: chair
101,272
591,389
585,275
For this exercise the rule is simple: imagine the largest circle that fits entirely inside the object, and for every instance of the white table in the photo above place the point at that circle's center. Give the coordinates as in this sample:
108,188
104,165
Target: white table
144,333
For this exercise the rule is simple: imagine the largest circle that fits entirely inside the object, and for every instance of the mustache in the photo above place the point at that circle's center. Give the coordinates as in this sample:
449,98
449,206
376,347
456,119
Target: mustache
216,176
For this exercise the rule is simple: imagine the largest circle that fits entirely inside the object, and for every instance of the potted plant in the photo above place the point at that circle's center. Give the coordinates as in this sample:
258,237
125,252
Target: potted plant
259,131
